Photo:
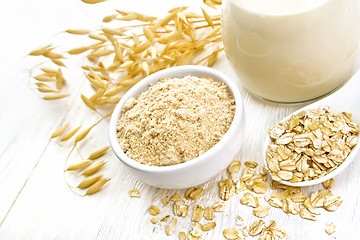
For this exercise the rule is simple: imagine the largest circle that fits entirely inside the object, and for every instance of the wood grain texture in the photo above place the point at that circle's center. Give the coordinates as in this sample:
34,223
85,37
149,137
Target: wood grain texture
35,203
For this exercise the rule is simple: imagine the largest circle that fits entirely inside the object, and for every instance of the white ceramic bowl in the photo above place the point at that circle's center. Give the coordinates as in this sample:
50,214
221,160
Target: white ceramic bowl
195,171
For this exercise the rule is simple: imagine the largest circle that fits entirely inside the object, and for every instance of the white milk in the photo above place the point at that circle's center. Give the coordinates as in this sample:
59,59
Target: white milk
291,50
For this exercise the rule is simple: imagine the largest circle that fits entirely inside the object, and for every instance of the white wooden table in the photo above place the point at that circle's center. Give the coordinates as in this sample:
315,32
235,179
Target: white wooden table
35,203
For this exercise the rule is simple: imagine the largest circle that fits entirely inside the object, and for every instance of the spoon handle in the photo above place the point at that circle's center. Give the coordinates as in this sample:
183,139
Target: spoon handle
347,98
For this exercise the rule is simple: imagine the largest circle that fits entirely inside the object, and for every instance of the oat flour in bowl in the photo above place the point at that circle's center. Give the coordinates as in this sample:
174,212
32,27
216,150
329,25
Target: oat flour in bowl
175,120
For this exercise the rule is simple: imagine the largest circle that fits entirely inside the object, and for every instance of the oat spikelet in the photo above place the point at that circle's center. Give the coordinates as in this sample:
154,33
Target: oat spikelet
88,102
212,58
98,153
214,32
130,16
82,134
53,55
97,186
46,89
146,68
142,47
219,2
69,134
97,80
114,66
126,65
59,131
148,33
110,100
78,31
48,70
60,80
97,37
58,62
114,91
212,3
43,78
87,182
55,96
40,51
167,19
99,93
109,18
93,168
113,31
79,165
94,81
40,84
130,82
78,50
207,18
94,55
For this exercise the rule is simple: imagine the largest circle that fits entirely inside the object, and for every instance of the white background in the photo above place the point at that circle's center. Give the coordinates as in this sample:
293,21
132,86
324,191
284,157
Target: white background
35,203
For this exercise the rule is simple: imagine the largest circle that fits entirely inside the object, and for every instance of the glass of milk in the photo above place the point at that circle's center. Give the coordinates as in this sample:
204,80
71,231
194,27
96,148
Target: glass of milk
291,50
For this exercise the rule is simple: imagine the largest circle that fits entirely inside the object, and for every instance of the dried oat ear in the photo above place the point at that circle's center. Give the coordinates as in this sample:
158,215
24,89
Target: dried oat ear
181,37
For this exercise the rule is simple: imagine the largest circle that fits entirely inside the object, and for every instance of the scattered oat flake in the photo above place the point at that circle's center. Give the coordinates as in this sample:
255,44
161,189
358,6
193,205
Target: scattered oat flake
165,201
250,200
231,233
180,209
153,210
209,213
256,227
208,226
196,193
332,202
196,230
188,192
171,227
329,183
251,164
260,186
304,213
234,166
134,193
198,213
219,207
182,236
239,221
154,220
175,198
245,231
227,189
330,228
164,219
261,211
